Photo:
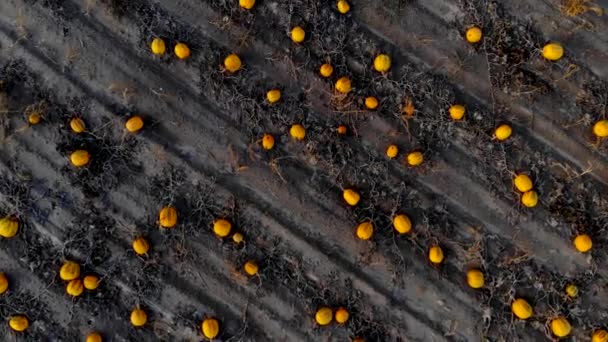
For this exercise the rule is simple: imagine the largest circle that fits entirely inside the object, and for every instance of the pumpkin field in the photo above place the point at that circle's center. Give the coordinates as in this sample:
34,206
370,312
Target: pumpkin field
303,170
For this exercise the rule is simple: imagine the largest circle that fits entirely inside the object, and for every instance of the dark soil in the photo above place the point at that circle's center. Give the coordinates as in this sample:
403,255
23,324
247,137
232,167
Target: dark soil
200,153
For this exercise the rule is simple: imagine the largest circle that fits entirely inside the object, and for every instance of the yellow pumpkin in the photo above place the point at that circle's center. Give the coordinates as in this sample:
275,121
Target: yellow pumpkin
326,70
529,199
238,238
521,308
210,328
343,6
473,35
298,34
141,246
90,282
415,158
138,317
94,337
222,227
298,132
600,129
351,196
168,217
402,224
246,4
457,112
80,158
268,142
522,183
553,51
365,230
232,63
392,151
342,315
560,327
436,255
18,323
34,118
273,96
343,85
324,316
158,46
475,279
251,267
503,132
382,63
74,288
572,290
182,51
69,271
77,125
371,102
583,243
599,336
3,283
134,124
8,227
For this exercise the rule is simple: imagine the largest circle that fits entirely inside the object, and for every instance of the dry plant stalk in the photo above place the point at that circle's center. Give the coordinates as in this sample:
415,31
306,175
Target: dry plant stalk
573,8
408,108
